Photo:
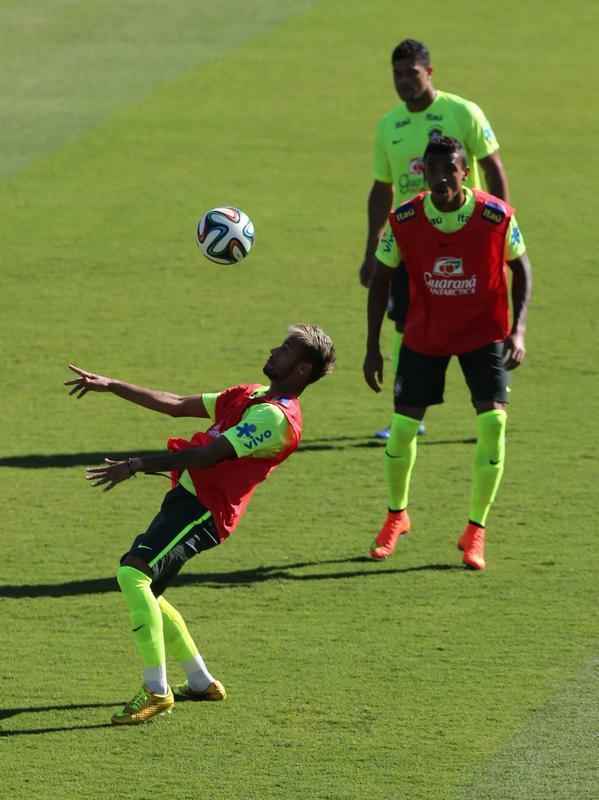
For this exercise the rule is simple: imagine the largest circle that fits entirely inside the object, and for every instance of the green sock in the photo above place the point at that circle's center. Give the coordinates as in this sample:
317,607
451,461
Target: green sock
176,634
400,455
489,460
145,615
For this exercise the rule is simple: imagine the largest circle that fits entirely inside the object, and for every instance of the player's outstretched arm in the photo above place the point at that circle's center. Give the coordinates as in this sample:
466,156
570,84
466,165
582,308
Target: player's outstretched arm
378,297
113,472
164,402
515,350
380,201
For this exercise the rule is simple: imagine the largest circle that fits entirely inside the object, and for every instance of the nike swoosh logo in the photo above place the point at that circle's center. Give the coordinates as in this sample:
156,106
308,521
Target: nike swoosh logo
494,463
144,546
138,628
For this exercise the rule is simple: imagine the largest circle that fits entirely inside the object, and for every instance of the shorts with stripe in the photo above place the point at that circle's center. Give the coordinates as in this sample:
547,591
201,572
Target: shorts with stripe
182,528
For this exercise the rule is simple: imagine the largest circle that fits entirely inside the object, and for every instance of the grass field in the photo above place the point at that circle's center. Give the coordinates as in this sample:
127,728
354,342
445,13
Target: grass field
407,680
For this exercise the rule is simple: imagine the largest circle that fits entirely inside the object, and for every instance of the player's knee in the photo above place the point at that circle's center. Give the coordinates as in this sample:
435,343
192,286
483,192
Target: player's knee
403,431
170,612
134,562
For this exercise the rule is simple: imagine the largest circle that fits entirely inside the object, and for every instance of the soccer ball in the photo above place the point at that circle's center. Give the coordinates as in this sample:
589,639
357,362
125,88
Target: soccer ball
225,235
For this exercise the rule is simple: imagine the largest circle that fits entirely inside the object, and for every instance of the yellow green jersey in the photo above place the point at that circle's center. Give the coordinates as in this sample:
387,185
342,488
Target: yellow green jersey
263,430
388,252
402,137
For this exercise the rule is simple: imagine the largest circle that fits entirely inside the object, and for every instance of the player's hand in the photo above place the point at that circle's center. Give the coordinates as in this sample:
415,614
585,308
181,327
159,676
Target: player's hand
366,271
373,370
87,382
514,351
110,474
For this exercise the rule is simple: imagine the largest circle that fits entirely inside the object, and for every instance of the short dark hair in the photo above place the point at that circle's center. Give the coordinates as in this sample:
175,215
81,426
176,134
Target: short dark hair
446,146
412,50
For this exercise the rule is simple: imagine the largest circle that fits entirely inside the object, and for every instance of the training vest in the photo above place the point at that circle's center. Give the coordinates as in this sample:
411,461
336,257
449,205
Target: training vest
225,489
458,282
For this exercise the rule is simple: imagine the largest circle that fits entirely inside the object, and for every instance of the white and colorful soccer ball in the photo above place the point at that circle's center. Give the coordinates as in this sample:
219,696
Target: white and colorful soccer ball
225,235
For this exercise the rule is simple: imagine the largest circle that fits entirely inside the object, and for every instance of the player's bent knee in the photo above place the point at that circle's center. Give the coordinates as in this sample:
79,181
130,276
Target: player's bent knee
136,563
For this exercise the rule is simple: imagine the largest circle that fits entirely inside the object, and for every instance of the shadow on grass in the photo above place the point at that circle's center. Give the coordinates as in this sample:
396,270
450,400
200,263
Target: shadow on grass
34,731
220,580
7,713
83,459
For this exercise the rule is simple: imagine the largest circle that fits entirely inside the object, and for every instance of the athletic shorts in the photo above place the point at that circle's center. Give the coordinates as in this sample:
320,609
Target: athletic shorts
182,528
399,297
420,379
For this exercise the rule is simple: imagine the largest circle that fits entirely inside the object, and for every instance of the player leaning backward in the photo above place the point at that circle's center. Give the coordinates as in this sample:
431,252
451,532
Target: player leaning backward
401,137
214,474
454,243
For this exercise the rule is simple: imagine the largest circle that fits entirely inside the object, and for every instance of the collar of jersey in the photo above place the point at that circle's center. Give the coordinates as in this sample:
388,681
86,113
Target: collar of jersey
432,212
262,390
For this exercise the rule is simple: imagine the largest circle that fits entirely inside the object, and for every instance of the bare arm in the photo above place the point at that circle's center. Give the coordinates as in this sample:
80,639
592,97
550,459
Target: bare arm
378,296
164,402
495,176
380,201
515,350
113,472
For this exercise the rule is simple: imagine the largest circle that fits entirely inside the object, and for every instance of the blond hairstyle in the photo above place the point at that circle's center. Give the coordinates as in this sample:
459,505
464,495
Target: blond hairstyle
319,348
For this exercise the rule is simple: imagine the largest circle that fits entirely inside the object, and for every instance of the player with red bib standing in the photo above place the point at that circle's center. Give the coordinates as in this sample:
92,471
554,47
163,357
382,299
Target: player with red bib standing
214,474
455,243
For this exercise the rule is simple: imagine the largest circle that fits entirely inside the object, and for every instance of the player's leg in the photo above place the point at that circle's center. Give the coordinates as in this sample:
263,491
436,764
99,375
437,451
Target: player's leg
397,310
200,536
420,382
384,433
154,558
487,380
200,683
154,697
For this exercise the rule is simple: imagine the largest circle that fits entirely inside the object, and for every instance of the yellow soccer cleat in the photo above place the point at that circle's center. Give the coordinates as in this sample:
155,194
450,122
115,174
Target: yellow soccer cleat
216,691
143,707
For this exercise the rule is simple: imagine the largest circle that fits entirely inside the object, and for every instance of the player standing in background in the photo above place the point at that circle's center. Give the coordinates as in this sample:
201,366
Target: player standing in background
401,138
454,242
214,474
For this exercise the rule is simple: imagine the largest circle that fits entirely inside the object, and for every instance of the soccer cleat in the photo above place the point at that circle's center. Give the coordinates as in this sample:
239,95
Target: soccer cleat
216,691
472,542
143,707
397,524
384,433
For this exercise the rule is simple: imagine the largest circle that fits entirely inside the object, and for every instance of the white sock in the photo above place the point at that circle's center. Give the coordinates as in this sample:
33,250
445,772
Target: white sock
198,677
155,679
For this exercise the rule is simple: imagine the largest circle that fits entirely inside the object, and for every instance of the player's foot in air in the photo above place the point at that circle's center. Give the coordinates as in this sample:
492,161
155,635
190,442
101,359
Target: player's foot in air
472,542
216,691
384,433
143,707
397,524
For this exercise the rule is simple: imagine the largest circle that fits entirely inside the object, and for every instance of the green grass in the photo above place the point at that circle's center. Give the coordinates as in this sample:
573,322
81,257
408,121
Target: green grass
408,680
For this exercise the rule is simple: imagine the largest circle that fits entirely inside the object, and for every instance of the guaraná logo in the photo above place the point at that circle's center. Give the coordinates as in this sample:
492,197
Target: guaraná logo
448,266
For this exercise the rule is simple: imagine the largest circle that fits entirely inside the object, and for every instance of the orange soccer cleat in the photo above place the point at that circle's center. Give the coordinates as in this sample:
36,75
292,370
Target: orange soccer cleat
397,524
472,542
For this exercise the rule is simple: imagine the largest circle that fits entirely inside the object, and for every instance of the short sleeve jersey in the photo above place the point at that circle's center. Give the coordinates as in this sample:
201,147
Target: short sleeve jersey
388,252
262,431
402,137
